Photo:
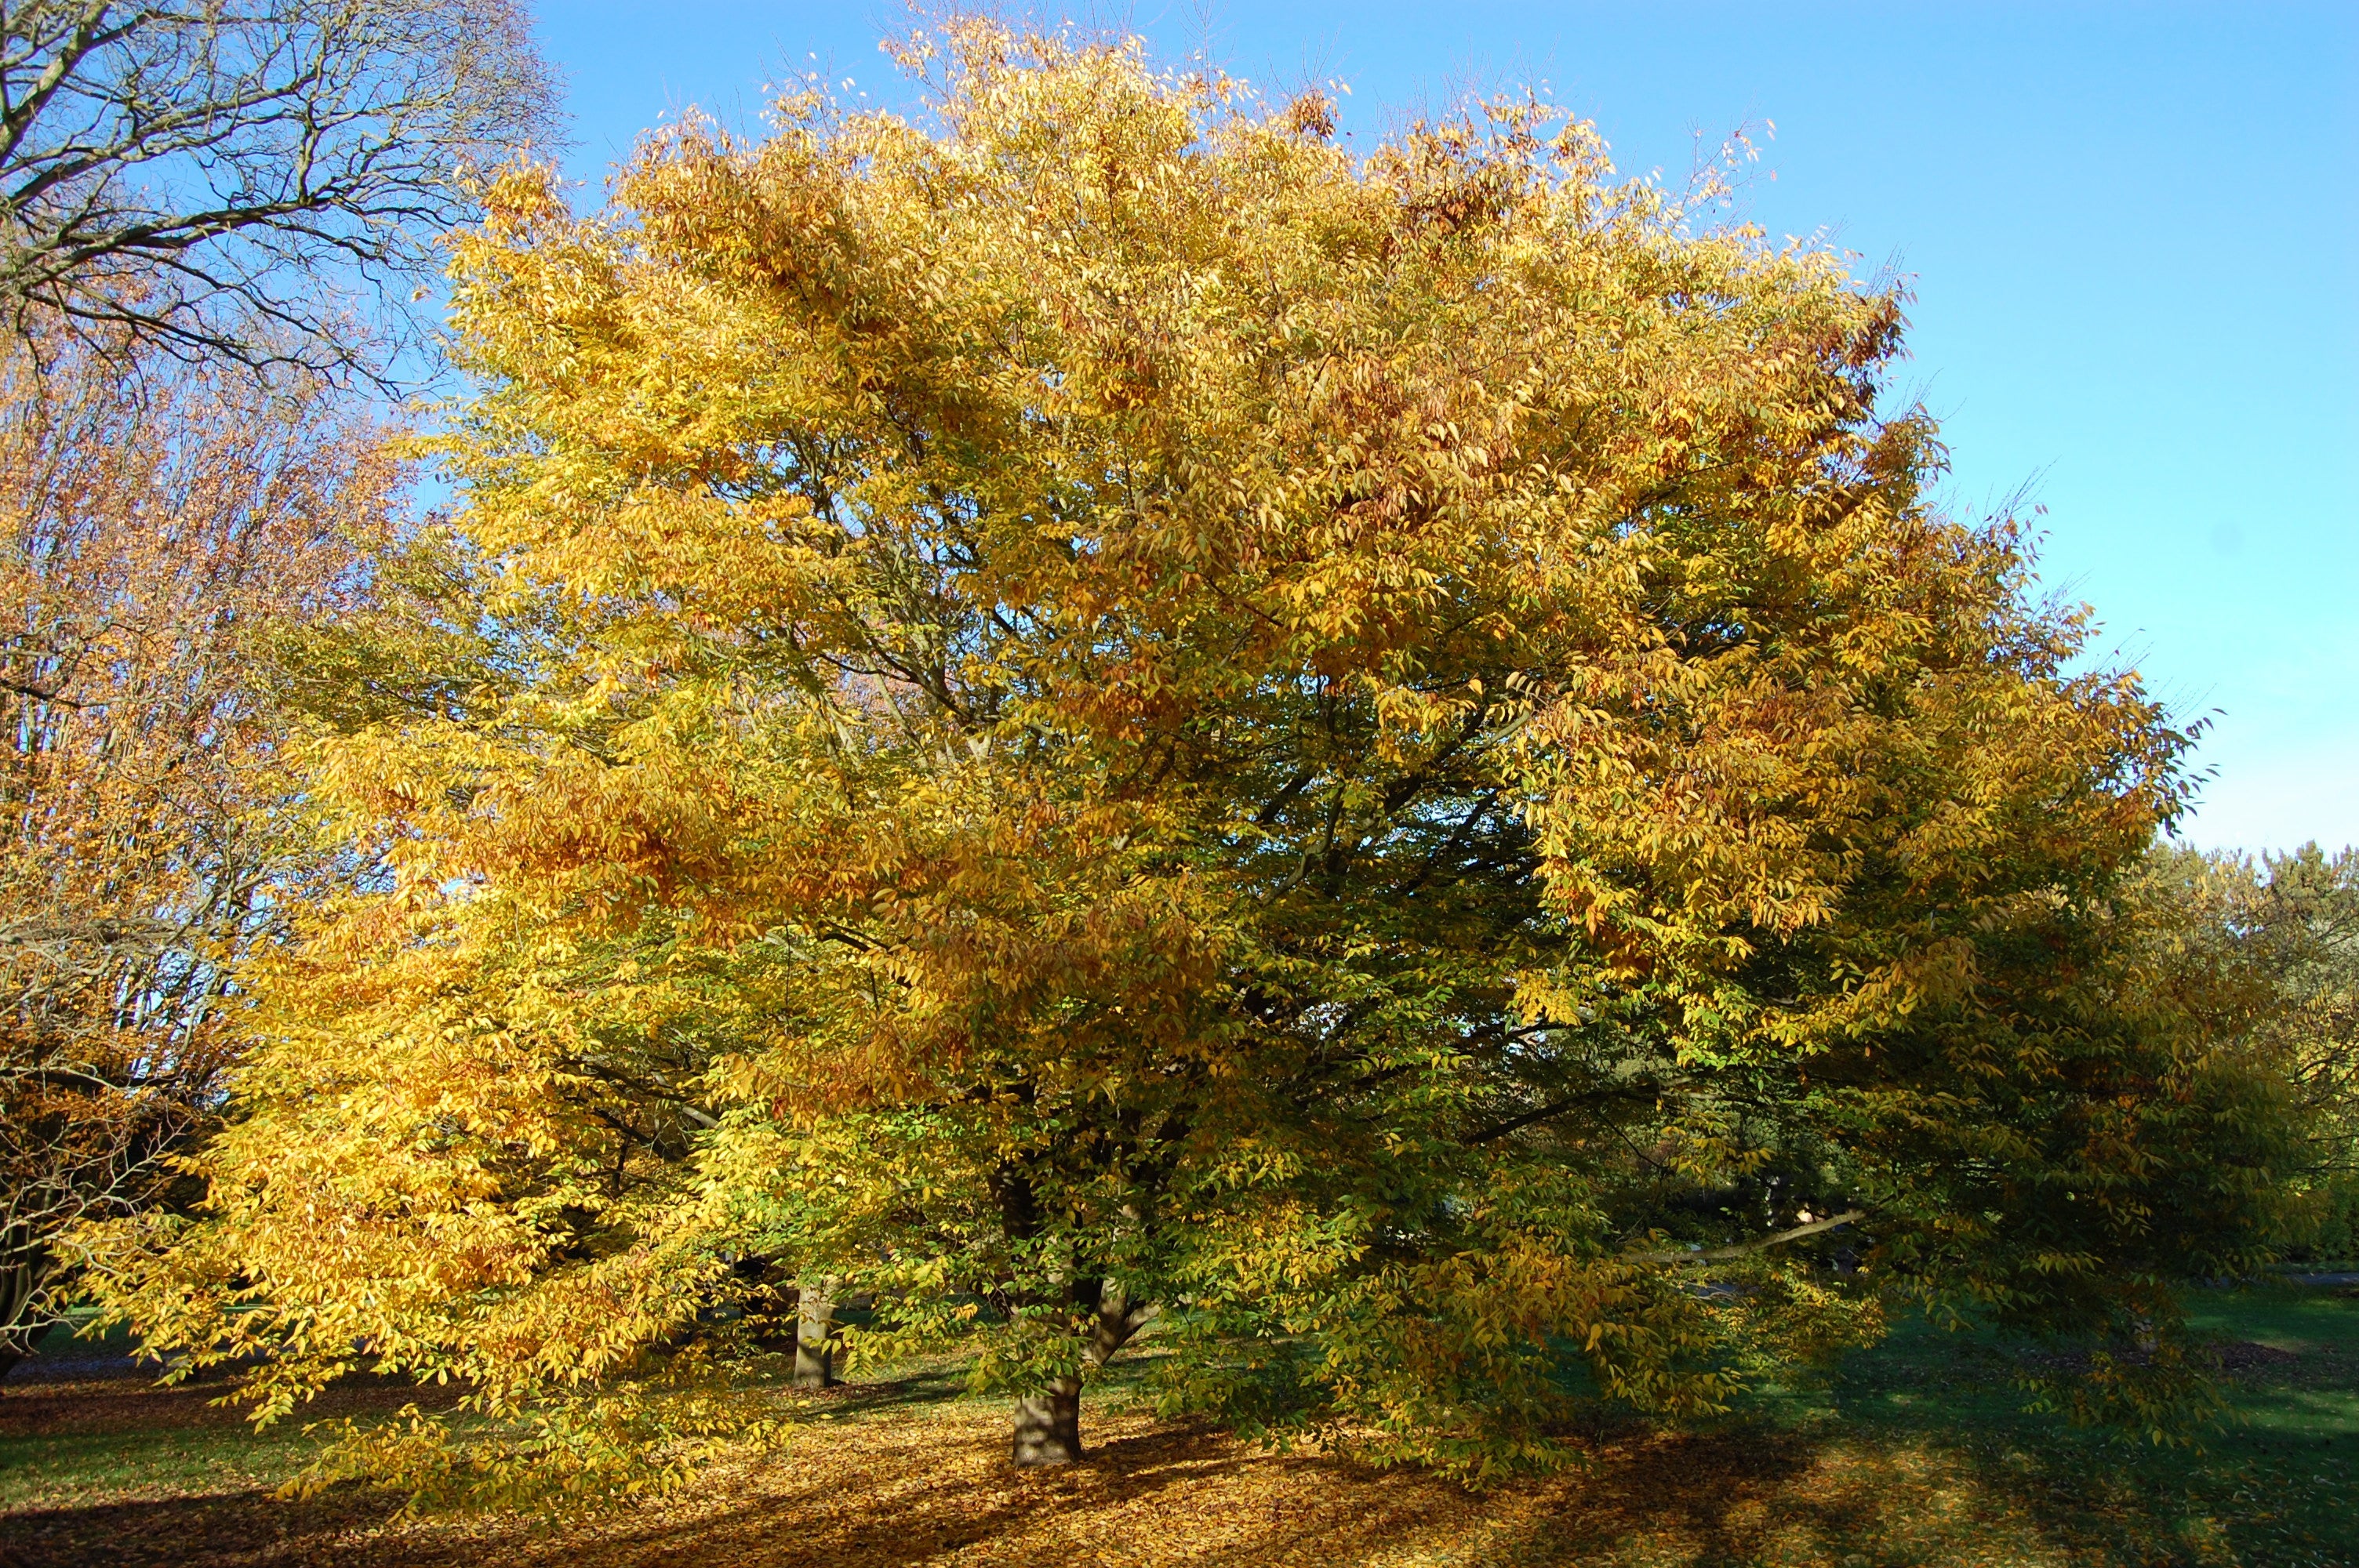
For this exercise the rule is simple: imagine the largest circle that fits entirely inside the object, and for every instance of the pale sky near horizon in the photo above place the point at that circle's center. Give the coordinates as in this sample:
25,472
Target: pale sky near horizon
2132,230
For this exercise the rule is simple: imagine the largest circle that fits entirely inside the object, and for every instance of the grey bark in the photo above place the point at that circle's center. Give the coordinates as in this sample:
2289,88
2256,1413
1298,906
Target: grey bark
814,1325
1048,1423
1722,1254
1049,1419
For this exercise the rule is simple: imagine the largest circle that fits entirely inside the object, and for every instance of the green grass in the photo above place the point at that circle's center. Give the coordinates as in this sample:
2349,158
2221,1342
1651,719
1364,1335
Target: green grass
2273,1484
121,1440
1917,1453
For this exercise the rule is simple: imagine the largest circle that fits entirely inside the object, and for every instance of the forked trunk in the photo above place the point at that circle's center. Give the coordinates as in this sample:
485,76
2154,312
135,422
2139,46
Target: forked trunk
814,1323
1048,1423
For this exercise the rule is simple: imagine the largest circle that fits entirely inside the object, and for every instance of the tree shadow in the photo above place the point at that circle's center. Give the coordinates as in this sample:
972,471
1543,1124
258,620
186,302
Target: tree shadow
852,1399
1147,1494
901,1473
902,1490
897,1489
184,1469
217,1532
1750,1495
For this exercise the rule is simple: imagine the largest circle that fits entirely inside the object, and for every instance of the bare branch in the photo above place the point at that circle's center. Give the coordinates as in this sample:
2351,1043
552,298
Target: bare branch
247,182
1722,1254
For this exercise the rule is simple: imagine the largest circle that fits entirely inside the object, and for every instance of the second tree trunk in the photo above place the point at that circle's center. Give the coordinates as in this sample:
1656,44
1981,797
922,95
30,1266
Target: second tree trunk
814,1322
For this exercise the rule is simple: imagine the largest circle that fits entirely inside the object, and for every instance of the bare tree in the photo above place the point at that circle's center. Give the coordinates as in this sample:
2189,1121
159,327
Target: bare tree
226,179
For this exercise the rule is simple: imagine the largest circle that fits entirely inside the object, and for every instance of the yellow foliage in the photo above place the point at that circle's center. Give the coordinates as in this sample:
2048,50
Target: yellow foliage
1099,714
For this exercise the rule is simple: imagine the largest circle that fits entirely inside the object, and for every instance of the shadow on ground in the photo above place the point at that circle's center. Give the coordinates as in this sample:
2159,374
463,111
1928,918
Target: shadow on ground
1917,1458
923,1485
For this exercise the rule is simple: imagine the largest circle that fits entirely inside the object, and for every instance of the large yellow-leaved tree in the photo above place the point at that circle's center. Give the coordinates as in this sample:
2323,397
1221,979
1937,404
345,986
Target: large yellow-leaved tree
1099,716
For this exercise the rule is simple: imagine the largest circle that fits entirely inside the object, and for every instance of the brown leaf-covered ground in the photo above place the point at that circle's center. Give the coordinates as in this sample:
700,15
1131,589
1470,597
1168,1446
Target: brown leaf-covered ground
930,1485
108,1471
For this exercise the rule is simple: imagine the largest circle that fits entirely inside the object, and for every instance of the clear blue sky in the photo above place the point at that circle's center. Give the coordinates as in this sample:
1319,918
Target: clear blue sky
2131,230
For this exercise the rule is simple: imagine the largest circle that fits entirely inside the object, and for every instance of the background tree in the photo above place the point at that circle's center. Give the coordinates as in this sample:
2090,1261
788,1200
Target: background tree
215,178
2317,895
186,186
2271,945
147,539
1101,715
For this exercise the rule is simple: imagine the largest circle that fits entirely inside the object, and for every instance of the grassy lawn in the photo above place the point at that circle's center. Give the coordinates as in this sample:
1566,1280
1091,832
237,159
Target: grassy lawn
1914,1454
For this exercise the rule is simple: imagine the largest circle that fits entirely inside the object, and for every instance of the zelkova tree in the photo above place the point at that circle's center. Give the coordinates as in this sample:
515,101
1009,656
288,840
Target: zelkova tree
1100,716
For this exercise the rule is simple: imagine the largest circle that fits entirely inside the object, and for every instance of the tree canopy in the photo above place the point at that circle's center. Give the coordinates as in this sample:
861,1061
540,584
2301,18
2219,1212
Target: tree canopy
1098,715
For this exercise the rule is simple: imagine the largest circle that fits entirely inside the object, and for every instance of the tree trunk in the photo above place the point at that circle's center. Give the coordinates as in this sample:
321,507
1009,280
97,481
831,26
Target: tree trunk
814,1323
21,1332
1048,1423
